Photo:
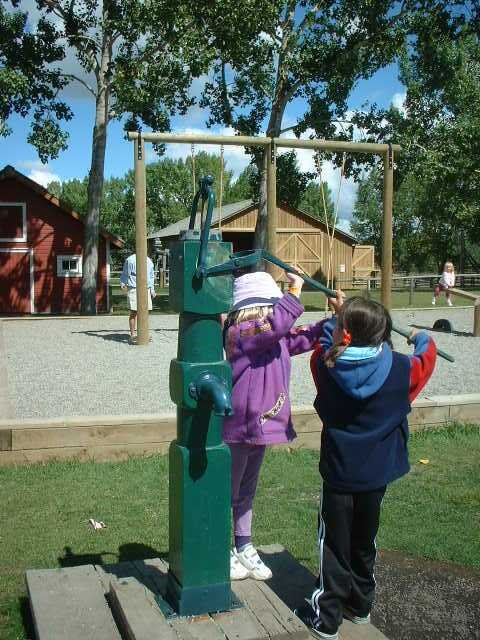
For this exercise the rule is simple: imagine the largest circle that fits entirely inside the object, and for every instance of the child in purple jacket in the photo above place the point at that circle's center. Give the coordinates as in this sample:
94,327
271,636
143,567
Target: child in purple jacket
259,338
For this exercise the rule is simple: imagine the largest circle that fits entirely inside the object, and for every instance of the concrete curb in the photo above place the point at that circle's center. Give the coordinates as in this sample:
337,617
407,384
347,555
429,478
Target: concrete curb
104,438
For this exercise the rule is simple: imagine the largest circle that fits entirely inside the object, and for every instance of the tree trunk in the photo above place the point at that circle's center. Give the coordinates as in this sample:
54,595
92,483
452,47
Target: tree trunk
95,186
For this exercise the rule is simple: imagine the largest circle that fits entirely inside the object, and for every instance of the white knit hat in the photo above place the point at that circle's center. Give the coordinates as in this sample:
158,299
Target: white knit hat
255,289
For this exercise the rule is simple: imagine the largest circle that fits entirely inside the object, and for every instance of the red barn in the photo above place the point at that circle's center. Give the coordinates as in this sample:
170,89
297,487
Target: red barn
41,245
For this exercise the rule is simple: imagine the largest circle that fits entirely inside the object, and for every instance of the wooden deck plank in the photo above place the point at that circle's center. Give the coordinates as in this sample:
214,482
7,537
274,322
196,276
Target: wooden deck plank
70,603
114,572
277,621
137,613
155,570
239,624
198,628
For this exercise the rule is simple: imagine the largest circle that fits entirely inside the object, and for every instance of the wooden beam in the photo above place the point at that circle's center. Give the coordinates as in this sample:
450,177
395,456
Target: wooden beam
179,138
335,145
260,141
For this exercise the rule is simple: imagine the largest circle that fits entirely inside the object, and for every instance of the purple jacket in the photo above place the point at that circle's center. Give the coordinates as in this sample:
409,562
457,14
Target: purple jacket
259,352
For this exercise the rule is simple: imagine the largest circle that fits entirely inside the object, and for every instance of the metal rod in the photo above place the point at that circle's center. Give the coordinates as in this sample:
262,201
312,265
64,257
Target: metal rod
333,294
387,231
141,241
406,334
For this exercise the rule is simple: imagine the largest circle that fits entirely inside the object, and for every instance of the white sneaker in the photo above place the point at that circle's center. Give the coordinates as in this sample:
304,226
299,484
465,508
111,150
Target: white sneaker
433,301
450,303
349,615
237,570
250,559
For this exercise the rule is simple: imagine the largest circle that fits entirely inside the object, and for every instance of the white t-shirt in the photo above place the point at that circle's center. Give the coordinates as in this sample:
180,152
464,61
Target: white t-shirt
447,279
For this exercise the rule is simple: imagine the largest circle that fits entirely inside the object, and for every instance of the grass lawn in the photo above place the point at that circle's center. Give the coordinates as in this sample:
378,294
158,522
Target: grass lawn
312,300
433,512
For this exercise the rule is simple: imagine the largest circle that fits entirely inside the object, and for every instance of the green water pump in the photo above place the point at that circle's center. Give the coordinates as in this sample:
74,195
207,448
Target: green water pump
200,385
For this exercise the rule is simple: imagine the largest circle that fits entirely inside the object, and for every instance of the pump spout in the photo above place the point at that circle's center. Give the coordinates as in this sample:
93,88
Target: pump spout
209,387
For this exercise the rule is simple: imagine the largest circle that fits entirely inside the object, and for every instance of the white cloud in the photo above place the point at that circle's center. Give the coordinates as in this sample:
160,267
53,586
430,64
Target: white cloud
330,174
44,177
39,172
235,157
398,101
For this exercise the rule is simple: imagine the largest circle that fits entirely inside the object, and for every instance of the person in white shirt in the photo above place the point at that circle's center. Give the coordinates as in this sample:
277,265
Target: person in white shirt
128,281
446,282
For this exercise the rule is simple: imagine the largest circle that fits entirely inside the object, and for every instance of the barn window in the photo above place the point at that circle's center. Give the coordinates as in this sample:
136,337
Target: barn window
13,222
69,266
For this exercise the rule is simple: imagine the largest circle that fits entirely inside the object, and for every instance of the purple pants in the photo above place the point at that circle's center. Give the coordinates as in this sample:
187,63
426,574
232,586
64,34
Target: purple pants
246,462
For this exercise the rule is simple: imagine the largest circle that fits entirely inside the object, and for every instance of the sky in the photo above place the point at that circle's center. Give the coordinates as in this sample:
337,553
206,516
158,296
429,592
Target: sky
383,88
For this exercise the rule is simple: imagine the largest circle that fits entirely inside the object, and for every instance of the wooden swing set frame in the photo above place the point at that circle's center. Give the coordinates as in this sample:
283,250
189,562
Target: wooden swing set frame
385,151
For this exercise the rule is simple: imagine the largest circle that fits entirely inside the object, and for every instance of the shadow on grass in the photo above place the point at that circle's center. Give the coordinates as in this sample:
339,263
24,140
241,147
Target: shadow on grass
27,618
71,559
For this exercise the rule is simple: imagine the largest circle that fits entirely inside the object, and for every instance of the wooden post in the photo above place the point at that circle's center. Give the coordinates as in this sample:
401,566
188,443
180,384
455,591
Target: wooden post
387,228
141,241
412,286
476,318
271,162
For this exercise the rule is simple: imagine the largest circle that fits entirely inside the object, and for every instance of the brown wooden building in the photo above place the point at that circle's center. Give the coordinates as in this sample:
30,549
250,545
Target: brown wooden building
302,240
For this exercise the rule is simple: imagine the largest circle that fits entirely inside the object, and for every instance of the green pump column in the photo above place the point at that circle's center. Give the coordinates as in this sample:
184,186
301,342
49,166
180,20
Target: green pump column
200,384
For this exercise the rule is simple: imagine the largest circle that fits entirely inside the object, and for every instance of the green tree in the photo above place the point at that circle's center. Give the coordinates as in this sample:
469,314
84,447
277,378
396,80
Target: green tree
29,81
437,201
141,57
169,194
73,192
272,52
291,181
316,199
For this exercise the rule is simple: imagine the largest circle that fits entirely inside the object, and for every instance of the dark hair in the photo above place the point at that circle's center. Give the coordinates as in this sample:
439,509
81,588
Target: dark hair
368,323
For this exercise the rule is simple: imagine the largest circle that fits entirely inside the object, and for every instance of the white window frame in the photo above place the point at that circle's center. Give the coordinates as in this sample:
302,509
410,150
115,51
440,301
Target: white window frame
61,273
24,221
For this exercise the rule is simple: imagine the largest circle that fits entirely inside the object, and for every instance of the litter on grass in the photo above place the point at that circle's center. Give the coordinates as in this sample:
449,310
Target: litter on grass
95,525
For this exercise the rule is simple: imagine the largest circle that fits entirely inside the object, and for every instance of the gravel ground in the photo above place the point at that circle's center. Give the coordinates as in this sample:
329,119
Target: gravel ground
85,366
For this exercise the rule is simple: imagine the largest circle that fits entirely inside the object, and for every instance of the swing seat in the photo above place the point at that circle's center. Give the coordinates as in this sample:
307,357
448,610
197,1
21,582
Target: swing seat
442,324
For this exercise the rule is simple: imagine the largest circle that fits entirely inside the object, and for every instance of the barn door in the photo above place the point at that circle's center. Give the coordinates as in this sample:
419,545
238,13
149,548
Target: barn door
15,281
302,251
363,263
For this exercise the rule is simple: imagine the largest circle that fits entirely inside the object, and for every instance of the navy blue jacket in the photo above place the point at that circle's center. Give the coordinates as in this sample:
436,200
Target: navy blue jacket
363,405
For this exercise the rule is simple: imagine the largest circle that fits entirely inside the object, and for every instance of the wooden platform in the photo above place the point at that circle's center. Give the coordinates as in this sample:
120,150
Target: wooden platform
116,602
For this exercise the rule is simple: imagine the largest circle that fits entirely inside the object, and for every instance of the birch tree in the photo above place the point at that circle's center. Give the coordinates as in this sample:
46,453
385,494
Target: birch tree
136,59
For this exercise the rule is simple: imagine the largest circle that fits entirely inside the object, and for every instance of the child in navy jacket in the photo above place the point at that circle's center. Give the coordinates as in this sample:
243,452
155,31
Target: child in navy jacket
364,391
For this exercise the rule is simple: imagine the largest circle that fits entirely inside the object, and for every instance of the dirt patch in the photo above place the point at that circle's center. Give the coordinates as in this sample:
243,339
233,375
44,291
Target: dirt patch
422,600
